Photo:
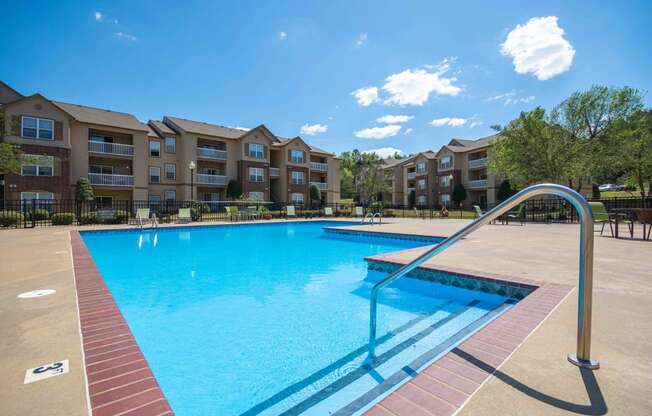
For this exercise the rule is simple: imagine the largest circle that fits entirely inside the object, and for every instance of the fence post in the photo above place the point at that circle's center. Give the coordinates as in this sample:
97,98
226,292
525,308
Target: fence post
33,213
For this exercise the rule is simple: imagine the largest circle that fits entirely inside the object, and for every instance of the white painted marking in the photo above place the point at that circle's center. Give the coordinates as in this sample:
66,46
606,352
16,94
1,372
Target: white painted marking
61,252
48,370
36,293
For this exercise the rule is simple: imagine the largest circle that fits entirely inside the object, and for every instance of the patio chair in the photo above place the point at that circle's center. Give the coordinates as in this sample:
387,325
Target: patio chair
232,213
143,217
518,215
328,212
252,213
644,216
290,212
184,215
106,215
600,215
419,213
478,211
359,212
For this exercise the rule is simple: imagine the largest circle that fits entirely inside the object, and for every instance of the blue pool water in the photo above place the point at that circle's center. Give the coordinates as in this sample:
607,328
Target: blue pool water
272,318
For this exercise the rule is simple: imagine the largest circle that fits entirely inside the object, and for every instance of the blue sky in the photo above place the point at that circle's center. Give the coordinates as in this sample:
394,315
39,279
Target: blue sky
451,69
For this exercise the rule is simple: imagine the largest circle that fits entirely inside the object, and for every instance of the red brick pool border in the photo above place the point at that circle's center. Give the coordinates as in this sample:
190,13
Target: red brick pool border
120,382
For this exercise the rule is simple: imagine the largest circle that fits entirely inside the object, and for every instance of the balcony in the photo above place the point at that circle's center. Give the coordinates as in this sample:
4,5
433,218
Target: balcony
478,163
208,179
105,148
274,172
213,154
478,184
412,175
323,186
319,167
105,179
410,190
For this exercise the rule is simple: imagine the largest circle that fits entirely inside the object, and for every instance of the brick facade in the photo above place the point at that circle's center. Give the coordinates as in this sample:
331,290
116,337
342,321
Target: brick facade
298,189
59,184
247,186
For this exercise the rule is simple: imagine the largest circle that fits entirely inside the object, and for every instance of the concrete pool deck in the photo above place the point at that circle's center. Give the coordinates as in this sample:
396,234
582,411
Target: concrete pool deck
536,379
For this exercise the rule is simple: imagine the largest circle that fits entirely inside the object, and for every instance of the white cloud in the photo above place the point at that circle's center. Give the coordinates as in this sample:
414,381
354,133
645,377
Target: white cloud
414,86
512,97
378,132
282,35
366,96
389,119
539,47
125,36
385,152
407,131
362,39
449,121
312,129
99,16
475,123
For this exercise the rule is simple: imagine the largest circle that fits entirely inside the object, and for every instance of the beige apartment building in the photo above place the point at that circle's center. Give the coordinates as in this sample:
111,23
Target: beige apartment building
171,159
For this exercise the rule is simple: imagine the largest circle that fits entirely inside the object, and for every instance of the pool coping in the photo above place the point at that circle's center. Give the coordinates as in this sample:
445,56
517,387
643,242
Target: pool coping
120,381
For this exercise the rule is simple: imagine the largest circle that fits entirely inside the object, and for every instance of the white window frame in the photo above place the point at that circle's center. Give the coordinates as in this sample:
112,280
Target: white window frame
421,167
295,158
38,128
298,179
421,182
295,200
102,168
170,143
256,175
159,174
444,181
259,153
422,200
37,195
174,172
448,164
257,196
445,199
157,143
38,165
166,195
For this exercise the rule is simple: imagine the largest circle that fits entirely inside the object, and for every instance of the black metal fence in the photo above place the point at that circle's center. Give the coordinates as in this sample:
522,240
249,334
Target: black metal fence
39,213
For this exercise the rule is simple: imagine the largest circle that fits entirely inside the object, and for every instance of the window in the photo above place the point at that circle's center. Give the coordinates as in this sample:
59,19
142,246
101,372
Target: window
154,174
421,200
37,128
170,171
445,199
256,175
102,169
444,181
170,145
104,201
154,202
296,156
256,196
37,195
35,165
98,138
297,178
297,198
421,167
154,148
421,184
445,162
170,196
256,150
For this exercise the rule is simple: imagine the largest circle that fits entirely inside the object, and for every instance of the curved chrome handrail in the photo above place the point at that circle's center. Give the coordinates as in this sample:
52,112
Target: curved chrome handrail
370,216
583,356
380,218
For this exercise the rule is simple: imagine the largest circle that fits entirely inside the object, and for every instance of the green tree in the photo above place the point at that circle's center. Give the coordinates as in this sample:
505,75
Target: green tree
315,193
505,190
10,154
233,189
83,190
361,176
412,198
632,149
459,194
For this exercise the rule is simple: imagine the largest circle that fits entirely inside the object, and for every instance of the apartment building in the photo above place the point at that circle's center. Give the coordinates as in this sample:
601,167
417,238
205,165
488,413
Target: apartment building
168,159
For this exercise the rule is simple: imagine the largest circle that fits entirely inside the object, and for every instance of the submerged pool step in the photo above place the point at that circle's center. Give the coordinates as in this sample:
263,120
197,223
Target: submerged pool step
349,379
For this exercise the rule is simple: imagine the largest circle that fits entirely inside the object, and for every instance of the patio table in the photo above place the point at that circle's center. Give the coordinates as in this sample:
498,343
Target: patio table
631,214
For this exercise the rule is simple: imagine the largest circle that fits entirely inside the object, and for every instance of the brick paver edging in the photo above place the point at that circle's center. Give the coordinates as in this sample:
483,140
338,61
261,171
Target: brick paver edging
120,382
446,385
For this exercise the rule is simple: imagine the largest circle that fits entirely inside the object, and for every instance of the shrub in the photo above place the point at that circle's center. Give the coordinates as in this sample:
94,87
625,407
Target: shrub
198,208
88,218
37,214
63,218
121,216
10,218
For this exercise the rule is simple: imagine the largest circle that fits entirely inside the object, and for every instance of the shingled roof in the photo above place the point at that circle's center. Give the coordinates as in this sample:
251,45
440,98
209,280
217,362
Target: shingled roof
101,117
199,127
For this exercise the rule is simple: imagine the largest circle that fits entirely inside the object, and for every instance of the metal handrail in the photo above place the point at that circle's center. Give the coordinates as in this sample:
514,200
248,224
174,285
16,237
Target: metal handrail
370,216
380,218
583,356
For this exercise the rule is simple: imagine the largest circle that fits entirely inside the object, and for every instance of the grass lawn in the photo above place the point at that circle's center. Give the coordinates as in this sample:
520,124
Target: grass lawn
619,194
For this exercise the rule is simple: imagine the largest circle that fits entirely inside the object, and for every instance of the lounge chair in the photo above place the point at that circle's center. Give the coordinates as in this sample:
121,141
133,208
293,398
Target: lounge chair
290,212
359,212
184,215
328,212
252,213
600,215
143,217
232,213
419,213
478,211
106,216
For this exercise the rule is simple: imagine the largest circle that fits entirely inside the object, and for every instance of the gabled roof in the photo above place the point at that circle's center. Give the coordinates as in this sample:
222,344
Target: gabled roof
391,162
199,127
161,128
472,144
92,115
283,141
11,90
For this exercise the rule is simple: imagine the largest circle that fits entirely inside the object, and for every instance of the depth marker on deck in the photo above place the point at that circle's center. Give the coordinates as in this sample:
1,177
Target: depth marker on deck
48,370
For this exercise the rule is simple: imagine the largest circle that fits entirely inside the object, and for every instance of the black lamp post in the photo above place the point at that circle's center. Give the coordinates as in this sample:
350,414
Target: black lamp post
192,182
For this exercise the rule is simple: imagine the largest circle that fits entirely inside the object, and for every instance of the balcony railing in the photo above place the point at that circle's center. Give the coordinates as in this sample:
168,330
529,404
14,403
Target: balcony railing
478,163
274,172
111,148
412,175
208,153
409,190
323,186
208,179
319,167
479,184
104,179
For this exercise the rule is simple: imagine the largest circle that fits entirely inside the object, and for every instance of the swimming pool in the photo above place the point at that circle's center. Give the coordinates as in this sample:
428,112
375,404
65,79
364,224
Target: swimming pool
273,318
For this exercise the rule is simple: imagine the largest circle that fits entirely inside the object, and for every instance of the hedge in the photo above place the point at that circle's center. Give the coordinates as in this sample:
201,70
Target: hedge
63,218
10,218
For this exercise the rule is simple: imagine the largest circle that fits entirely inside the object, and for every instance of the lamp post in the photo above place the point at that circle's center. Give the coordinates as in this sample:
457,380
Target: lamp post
191,166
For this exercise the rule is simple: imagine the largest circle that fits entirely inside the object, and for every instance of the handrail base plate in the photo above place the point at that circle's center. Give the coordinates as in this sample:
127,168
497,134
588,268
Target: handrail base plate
591,364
